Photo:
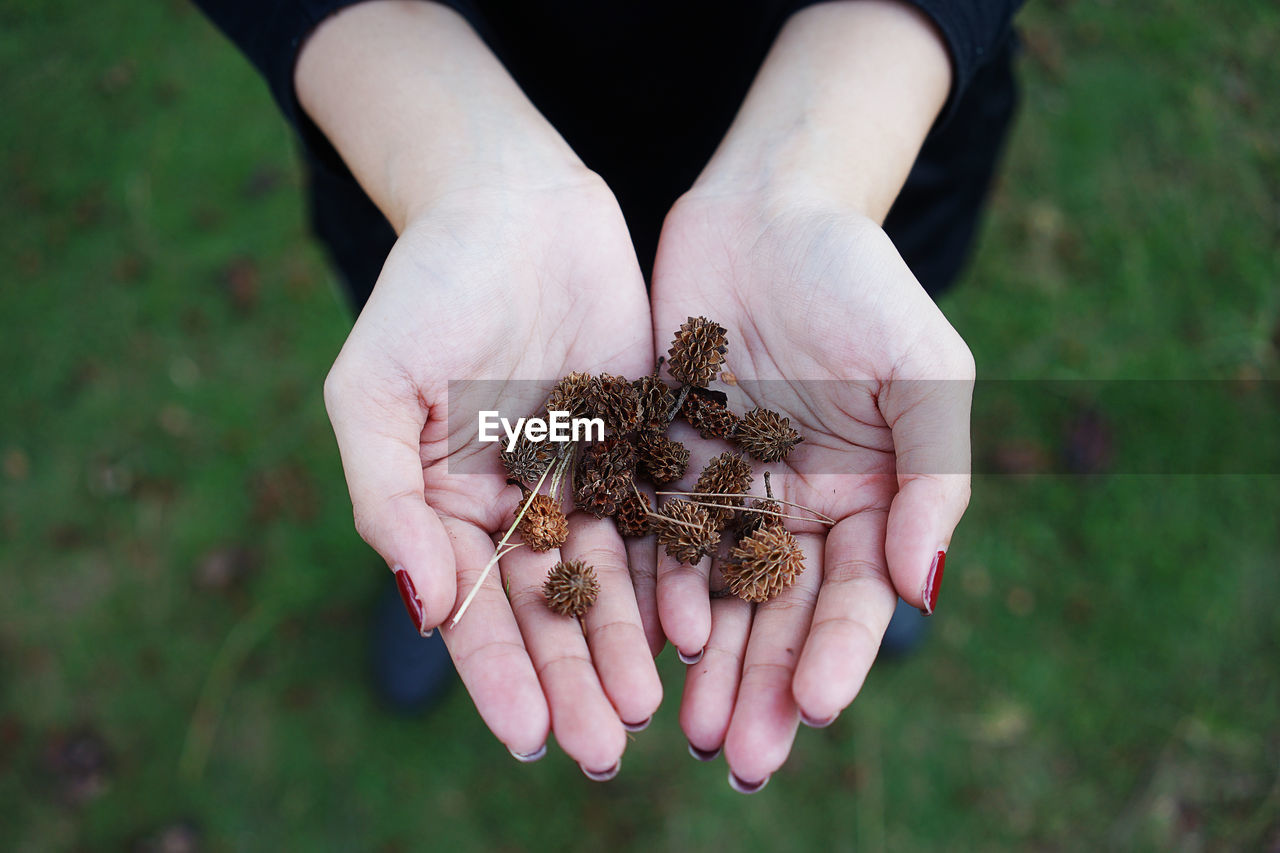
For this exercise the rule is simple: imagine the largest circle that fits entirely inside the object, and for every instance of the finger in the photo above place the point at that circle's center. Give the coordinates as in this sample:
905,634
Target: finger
930,421
614,632
642,557
711,685
765,715
378,437
489,652
854,606
584,721
683,605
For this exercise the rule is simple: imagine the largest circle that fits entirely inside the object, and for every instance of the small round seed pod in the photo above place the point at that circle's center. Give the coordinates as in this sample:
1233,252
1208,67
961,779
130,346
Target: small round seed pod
632,517
763,564
599,493
728,473
656,401
571,394
662,460
697,352
685,530
616,401
710,417
543,526
750,522
527,461
766,435
571,588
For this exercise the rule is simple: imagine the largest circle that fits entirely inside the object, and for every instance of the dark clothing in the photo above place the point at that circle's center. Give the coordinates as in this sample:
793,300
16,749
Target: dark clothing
643,92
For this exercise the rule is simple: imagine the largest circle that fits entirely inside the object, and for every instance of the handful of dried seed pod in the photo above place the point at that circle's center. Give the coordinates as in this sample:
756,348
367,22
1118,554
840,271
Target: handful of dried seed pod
601,477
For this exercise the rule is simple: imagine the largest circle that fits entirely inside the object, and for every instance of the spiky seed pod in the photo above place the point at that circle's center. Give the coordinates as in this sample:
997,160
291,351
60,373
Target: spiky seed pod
614,455
656,401
685,530
697,352
571,394
711,418
599,493
543,526
571,588
766,435
763,564
633,515
527,461
750,522
662,460
728,473
616,401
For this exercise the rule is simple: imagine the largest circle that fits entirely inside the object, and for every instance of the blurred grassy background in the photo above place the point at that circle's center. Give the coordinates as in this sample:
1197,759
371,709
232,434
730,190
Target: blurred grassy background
182,598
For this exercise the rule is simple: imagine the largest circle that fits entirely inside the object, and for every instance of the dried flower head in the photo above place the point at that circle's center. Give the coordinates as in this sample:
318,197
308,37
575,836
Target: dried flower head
571,394
728,473
750,522
697,352
543,526
662,460
685,530
632,517
710,417
766,435
571,588
604,476
656,401
616,401
527,461
763,564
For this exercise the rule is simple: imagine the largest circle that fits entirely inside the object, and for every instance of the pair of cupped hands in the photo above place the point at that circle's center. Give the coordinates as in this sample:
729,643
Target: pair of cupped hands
531,281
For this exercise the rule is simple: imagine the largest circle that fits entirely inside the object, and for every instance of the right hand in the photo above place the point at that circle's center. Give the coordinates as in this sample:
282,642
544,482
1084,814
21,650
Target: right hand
501,280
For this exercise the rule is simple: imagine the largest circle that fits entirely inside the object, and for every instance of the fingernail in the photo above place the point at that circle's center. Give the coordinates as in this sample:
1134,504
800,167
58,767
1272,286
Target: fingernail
409,595
932,582
638,727
746,787
703,754
604,775
689,659
817,724
528,758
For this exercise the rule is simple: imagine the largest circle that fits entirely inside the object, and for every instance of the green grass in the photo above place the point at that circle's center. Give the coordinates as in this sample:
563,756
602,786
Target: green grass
1102,672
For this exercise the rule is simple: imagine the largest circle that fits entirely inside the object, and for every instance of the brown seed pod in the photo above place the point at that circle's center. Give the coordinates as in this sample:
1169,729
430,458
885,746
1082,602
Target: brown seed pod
728,473
763,564
527,461
766,435
571,588
543,526
697,352
710,417
685,530
632,517
656,401
750,522
662,460
599,493
616,401
571,394
613,455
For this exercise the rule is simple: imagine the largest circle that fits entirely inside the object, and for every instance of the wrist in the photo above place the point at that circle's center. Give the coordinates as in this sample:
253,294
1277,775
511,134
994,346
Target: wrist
839,111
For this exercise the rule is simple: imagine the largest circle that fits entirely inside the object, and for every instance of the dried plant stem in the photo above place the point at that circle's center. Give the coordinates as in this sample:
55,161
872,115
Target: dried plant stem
821,516
755,509
562,465
687,524
498,552
680,396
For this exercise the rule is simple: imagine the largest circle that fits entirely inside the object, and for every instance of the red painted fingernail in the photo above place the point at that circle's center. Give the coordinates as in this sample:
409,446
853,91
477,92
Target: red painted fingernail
933,582
409,595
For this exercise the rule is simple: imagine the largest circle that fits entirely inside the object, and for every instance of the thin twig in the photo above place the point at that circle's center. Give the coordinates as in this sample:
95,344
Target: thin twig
498,552
668,518
822,516
756,509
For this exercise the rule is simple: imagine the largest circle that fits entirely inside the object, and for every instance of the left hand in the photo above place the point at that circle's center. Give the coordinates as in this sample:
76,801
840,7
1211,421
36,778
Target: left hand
827,326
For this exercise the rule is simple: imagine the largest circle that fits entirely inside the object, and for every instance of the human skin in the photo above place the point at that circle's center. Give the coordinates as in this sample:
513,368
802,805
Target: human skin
779,241
513,262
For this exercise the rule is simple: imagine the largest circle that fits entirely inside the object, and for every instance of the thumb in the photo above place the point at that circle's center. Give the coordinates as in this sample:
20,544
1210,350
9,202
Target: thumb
930,422
378,436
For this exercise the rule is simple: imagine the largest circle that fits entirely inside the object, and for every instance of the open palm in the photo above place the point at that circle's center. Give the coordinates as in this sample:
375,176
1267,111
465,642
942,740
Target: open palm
828,327
517,288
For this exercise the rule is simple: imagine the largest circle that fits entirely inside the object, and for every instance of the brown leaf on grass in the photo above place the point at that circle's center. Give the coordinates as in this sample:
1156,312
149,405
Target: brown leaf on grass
241,282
